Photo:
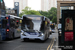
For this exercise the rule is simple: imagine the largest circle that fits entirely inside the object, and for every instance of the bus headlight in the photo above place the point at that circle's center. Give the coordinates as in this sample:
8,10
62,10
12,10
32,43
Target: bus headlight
41,34
60,32
23,33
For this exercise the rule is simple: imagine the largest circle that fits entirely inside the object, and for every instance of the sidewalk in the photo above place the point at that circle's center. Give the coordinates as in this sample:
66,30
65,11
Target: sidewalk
55,47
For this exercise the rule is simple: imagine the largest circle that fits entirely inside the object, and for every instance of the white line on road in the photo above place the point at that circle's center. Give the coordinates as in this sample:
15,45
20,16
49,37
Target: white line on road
17,47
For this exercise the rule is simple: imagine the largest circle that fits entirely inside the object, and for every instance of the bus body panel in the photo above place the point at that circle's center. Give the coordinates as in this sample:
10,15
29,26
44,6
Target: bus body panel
2,30
33,37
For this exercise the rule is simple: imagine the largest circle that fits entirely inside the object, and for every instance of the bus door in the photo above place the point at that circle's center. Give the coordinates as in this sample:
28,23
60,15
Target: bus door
17,28
7,26
68,28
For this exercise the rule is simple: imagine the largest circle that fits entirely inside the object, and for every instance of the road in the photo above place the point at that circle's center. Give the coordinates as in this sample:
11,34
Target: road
18,44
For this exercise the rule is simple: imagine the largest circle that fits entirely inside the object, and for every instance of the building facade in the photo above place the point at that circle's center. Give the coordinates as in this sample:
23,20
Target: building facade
22,4
48,4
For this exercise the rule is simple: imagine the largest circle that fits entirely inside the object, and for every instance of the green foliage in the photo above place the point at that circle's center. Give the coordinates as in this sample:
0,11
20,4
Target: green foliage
20,15
32,12
54,20
44,13
51,14
28,11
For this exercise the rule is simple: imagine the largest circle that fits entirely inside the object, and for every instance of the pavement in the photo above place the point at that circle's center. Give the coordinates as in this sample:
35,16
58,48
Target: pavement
18,44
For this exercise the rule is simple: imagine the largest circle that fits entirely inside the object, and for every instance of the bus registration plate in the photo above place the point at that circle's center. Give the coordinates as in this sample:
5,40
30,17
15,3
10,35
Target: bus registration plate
32,33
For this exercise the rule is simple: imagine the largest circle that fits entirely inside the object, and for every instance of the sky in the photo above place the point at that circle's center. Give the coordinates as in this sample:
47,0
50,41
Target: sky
34,4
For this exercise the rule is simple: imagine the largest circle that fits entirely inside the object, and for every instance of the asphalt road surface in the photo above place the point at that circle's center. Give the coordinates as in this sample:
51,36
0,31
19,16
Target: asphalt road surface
18,44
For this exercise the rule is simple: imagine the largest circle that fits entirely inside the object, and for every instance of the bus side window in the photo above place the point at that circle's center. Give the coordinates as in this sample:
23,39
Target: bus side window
12,25
4,23
17,24
42,26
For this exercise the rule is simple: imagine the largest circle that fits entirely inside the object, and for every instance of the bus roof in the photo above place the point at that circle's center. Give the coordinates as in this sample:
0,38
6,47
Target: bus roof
13,17
32,16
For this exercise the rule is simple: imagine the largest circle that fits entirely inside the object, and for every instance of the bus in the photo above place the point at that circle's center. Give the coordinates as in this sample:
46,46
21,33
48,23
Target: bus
11,27
35,27
2,16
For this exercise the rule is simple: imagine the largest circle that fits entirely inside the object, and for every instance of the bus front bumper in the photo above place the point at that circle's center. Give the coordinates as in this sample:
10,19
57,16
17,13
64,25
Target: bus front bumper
33,37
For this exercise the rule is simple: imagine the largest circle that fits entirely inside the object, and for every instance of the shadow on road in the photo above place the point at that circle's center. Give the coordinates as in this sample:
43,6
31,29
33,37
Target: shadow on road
11,39
38,41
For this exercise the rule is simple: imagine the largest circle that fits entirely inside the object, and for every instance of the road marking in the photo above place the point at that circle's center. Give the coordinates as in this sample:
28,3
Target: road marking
50,44
17,47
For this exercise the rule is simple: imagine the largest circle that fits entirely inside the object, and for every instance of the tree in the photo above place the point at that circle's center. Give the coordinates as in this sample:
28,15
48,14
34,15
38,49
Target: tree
54,20
20,15
28,11
32,12
52,12
44,13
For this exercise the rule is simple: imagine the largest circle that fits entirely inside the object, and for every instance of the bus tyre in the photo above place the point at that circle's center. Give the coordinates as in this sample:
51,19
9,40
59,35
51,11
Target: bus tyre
42,41
25,39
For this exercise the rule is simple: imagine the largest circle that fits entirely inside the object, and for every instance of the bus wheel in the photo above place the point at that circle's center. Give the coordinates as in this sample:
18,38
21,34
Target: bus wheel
25,39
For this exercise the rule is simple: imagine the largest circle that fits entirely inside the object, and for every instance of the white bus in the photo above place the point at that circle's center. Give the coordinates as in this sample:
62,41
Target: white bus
35,27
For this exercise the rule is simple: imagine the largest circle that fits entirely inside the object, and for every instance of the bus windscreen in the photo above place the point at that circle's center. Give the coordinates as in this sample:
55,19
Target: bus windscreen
33,24
35,18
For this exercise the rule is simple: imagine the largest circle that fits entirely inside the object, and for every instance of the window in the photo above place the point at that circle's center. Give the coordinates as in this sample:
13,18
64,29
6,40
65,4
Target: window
4,23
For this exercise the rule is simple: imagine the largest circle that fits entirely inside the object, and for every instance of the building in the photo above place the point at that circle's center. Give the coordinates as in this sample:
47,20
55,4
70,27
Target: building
2,4
64,4
48,4
2,7
22,4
